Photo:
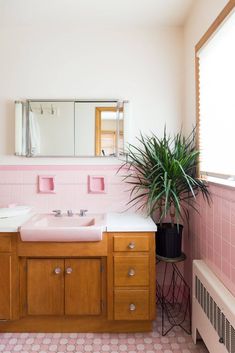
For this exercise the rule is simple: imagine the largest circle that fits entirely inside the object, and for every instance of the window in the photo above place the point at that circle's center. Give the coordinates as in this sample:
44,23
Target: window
215,75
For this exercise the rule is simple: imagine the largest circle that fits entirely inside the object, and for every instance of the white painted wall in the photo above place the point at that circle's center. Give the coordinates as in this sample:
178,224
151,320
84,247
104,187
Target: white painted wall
201,16
143,65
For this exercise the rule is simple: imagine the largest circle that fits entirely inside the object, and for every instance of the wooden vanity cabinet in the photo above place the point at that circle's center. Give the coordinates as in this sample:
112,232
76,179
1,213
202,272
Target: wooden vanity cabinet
8,277
5,286
133,276
106,286
63,286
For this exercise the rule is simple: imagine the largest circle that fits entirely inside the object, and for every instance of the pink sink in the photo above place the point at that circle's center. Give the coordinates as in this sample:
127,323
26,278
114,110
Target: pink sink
47,227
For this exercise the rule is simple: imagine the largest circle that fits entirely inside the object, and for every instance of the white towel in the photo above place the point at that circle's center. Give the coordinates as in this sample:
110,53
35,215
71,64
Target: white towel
34,133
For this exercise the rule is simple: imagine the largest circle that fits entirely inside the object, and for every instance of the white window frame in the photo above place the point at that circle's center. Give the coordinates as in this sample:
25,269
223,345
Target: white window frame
211,177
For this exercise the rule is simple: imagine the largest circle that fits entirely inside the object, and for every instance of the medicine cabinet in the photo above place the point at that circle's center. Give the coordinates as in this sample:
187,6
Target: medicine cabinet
68,128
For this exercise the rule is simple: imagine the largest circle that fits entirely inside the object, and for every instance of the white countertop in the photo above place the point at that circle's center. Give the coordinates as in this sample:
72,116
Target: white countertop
115,222
129,222
12,224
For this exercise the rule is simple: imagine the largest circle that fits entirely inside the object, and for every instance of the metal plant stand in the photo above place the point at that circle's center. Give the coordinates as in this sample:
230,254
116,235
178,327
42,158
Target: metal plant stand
174,296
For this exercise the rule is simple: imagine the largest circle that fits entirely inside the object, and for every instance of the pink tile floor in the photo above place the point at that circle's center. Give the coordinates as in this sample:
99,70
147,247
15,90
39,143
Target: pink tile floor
177,341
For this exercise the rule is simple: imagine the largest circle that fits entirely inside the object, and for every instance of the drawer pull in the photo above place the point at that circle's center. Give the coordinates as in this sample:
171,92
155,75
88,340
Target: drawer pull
131,272
57,270
132,307
69,270
131,245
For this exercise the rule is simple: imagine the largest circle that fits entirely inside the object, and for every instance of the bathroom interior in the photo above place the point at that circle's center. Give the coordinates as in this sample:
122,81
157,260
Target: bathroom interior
86,86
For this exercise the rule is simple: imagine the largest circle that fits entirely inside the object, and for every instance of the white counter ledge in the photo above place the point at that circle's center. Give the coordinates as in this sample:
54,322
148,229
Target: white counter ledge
12,224
115,222
129,222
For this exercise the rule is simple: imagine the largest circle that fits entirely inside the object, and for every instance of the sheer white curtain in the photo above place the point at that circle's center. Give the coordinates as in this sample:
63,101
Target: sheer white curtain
217,101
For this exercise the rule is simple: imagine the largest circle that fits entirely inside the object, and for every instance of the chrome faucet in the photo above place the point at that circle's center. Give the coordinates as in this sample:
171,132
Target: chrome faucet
82,212
69,213
57,213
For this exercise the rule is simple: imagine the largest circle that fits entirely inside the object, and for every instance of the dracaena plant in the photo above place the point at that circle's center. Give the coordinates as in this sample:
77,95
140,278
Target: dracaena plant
162,173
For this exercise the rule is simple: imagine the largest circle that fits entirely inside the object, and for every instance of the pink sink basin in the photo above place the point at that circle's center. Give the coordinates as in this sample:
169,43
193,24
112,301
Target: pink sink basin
47,227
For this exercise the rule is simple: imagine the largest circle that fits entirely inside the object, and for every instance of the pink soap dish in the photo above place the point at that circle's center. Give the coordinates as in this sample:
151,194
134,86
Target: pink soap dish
46,184
96,184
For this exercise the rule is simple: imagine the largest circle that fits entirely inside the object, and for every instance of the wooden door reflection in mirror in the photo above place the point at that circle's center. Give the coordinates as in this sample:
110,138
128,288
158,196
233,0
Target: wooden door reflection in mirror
108,128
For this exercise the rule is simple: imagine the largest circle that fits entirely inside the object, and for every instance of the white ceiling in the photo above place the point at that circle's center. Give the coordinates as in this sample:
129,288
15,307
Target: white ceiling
95,12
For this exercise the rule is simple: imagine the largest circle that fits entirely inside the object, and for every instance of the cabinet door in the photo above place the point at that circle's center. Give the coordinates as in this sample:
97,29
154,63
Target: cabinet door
83,287
45,286
5,286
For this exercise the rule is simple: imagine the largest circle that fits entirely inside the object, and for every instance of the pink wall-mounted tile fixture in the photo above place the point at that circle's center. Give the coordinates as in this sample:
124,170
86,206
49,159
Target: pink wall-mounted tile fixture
19,184
96,184
46,184
212,235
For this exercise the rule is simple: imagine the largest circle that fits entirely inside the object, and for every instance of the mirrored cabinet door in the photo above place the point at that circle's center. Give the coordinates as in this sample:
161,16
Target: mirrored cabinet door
56,128
94,120
51,128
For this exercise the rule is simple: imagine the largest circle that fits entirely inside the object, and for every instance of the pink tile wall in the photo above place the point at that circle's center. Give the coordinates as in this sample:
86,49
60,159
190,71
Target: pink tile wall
18,184
212,235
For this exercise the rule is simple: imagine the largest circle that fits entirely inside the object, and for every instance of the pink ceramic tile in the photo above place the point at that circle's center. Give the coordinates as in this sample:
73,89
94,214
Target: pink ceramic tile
150,342
226,251
232,253
233,213
218,224
209,217
226,268
232,229
210,238
218,260
20,186
226,230
225,210
233,274
210,253
217,244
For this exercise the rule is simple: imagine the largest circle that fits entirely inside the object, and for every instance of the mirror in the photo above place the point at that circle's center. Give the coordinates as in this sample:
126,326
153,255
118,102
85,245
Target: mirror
51,128
57,128
97,129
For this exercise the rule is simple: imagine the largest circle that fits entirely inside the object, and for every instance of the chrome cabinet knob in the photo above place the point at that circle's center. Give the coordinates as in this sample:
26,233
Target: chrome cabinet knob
131,272
57,270
132,307
69,270
131,245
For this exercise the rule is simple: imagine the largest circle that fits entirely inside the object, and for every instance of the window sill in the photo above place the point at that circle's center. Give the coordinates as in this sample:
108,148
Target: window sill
219,181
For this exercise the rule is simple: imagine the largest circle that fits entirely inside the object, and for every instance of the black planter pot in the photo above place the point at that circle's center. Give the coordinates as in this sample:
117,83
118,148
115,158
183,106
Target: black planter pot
169,240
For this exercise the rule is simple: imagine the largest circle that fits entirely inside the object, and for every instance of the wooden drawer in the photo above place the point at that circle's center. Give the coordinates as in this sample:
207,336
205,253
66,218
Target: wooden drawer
5,243
131,305
131,271
131,242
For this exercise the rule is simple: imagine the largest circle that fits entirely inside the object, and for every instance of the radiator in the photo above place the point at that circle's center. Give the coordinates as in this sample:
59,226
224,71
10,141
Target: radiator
213,310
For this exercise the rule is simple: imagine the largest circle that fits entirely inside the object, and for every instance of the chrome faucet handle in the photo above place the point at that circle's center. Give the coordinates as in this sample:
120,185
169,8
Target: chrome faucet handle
57,213
82,212
69,213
